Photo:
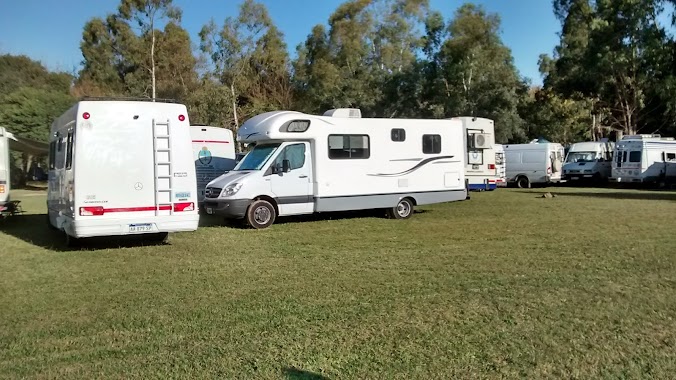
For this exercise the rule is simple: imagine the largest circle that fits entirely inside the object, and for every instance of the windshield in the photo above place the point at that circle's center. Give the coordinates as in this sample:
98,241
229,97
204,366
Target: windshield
255,159
581,157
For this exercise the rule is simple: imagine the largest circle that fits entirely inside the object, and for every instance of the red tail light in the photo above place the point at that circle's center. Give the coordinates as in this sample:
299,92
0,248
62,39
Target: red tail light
181,117
91,211
187,206
86,115
491,166
549,170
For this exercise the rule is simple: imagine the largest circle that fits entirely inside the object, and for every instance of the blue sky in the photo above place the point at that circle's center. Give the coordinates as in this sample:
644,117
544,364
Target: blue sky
50,30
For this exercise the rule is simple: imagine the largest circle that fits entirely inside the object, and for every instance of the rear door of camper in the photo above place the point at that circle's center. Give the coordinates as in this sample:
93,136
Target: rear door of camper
126,163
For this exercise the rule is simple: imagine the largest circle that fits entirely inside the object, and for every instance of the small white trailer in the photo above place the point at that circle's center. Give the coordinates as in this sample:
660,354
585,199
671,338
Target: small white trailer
643,159
120,168
302,164
213,152
480,168
534,163
589,161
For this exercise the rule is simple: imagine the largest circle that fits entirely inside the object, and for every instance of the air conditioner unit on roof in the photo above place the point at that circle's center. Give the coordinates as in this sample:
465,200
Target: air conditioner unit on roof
344,112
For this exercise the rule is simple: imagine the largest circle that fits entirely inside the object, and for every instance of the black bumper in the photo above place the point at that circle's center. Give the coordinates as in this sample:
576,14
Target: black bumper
229,208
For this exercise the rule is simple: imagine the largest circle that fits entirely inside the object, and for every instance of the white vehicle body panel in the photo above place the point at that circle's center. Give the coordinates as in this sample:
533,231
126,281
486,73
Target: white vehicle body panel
642,158
116,169
500,165
323,178
536,161
5,179
587,160
213,153
480,169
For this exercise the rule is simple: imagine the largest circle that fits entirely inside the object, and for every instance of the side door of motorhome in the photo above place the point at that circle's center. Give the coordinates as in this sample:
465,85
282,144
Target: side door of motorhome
290,176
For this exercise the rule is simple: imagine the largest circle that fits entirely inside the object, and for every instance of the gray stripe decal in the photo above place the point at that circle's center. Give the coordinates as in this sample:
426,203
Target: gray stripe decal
402,193
295,199
416,167
406,159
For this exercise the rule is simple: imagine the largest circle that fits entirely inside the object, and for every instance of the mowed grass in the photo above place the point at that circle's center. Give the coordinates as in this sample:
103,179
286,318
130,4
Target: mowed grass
505,285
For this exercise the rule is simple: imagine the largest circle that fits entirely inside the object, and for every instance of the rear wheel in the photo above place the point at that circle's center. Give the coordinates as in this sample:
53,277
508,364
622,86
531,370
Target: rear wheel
160,237
260,214
403,209
72,242
523,182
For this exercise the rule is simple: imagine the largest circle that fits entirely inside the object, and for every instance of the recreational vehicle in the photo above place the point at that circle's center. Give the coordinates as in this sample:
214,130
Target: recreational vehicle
5,178
500,168
533,163
480,168
120,168
589,161
302,164
214,154
642,158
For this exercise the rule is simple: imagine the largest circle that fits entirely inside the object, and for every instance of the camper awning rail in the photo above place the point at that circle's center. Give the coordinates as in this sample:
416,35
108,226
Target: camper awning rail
126,99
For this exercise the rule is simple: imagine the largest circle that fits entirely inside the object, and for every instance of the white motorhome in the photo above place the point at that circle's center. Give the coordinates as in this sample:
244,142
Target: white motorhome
500,166
214,154
120,168
302,164
589,161
5,179
642,158
533,163
480,169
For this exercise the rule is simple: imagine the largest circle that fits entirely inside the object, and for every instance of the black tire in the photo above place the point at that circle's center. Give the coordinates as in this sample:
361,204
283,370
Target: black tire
403,209
159,238
522,182
49,223
72,242
260,214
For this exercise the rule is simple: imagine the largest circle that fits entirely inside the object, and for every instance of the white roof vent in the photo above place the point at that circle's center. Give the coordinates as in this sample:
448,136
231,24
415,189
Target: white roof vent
344,112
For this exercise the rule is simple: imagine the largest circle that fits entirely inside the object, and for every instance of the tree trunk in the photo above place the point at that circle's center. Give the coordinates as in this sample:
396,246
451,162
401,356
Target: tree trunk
152,56
234,113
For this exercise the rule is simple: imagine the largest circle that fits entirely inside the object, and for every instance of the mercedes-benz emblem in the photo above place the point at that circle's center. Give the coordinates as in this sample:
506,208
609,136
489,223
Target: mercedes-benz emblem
138,186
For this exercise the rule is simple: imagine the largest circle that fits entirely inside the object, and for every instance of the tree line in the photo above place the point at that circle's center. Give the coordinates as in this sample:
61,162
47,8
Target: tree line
613,71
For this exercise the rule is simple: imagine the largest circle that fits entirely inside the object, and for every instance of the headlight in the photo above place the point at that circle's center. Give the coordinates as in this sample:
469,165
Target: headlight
231,189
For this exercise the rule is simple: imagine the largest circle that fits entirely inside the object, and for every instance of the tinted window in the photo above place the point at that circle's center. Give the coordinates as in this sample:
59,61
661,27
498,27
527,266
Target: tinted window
398,134
670,156
255,159
297,126
431,144
69,151
295,154
52,154
635,156
349,147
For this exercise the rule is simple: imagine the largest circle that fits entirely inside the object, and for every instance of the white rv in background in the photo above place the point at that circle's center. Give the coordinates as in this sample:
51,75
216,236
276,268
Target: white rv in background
500,166
302,164
533,163
480,169
589,161
213,152
120,168
5,179
643,159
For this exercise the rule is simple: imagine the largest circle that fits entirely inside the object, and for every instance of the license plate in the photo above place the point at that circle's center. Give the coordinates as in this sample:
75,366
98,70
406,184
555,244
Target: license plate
146,227
210,210
574,177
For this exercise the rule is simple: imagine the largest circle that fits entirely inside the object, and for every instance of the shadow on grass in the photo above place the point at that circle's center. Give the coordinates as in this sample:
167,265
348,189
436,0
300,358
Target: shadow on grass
34,229
292,373
656,195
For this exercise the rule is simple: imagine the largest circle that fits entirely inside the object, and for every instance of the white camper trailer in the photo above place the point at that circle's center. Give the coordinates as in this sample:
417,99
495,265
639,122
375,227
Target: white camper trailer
213,152
533,163
643,158
500,167
5,179
120,168
480,169
589,161
303,164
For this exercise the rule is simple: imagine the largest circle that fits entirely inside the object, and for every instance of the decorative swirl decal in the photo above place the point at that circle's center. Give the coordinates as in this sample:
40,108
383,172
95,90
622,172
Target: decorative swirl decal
414,168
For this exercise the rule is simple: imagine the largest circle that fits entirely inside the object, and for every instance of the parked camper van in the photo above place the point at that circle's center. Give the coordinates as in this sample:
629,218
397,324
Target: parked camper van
642,158
5,179
122,167
533,163
302,164
589,161
480,168
214,154
500,167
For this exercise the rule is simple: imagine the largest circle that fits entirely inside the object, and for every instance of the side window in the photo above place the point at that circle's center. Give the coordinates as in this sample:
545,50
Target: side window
60,158
670,157
349,147
635,156
431,144
295,154
398,134
69,151
52,155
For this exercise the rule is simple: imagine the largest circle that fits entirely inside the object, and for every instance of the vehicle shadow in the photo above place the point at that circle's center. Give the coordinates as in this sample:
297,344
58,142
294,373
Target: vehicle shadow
299,374
656,195
34,229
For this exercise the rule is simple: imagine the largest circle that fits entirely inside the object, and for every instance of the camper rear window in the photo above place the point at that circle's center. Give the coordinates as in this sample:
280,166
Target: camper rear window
635,156
431,144
398,134
349,147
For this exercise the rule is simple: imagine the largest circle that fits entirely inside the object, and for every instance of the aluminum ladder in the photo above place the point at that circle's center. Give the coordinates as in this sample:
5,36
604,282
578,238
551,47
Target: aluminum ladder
161,145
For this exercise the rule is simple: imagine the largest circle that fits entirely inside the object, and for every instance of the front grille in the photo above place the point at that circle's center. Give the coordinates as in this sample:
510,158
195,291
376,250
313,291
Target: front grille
213,192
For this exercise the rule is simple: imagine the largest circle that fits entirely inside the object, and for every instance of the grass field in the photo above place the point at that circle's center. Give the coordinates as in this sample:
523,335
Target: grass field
506,284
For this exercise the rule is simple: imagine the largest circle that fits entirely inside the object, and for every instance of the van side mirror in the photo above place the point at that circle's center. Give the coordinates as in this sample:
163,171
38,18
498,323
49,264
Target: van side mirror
286,166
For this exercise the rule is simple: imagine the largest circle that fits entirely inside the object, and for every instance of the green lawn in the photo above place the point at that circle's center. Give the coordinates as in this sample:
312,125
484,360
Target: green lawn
504,285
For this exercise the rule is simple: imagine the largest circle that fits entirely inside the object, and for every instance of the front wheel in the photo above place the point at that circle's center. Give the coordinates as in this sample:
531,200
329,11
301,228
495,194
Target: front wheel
403,209
260,214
